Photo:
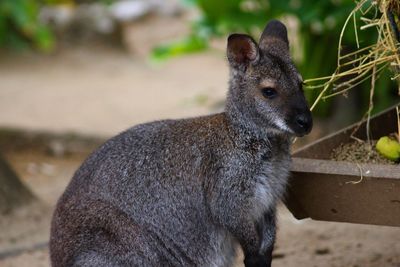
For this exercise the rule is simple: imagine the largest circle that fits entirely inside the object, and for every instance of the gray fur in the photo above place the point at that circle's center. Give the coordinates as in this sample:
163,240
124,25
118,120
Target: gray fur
186,192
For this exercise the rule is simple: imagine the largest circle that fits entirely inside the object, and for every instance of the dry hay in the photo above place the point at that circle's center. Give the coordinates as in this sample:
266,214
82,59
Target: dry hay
366,62
359,152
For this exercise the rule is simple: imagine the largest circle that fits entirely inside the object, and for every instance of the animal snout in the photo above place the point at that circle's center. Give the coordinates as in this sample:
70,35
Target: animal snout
303,123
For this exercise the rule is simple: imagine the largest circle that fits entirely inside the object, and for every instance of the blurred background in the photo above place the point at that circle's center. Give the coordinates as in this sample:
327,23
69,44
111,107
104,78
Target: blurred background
75,72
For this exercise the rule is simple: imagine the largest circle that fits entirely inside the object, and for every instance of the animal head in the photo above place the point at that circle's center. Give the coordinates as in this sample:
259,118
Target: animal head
265,86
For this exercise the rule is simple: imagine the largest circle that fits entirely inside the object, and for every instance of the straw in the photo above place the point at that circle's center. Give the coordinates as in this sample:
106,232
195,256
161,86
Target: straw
366,62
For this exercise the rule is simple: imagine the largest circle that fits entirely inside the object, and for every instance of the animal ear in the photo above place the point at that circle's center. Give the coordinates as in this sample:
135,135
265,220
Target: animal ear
241,50
274,34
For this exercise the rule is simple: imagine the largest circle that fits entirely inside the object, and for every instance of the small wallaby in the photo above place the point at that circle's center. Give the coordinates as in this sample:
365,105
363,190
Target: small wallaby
186,192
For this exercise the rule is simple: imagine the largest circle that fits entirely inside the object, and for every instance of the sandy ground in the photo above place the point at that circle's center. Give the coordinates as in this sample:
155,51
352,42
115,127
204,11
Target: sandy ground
104,92
101,92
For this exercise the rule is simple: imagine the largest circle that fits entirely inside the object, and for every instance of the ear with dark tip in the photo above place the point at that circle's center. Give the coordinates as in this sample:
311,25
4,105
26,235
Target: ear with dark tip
241,50
274,32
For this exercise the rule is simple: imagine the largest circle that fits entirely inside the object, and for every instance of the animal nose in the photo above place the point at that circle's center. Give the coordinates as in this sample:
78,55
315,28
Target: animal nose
304,122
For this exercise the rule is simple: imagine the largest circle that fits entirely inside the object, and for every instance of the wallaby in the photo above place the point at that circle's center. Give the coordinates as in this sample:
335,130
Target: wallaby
187,192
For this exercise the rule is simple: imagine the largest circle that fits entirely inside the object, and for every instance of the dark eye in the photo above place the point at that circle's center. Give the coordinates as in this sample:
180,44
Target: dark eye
269,92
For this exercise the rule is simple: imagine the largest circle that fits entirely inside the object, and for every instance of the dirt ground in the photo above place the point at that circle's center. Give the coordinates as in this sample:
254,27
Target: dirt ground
100,92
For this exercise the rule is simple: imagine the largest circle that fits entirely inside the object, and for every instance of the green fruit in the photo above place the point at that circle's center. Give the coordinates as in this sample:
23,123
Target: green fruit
389,148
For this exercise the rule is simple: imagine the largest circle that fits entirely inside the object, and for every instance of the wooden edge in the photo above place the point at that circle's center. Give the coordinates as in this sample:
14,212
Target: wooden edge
306,165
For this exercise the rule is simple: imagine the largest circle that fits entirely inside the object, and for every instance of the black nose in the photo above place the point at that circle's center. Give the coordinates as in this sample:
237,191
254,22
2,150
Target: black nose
305,122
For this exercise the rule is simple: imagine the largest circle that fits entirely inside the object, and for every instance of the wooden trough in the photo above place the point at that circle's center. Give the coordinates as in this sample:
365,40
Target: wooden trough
323,189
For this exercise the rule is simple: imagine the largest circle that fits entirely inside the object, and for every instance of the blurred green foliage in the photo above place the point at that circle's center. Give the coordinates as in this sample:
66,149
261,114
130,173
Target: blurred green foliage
20,26
187,45
319,24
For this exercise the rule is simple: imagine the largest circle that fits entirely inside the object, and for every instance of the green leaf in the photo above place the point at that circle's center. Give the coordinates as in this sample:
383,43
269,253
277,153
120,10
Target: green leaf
188,45
20,27
44,39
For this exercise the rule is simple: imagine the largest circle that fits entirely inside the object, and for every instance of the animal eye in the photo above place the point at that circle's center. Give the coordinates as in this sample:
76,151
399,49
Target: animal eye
269,92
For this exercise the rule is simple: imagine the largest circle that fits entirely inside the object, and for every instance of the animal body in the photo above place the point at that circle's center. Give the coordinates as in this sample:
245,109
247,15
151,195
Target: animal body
187,192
